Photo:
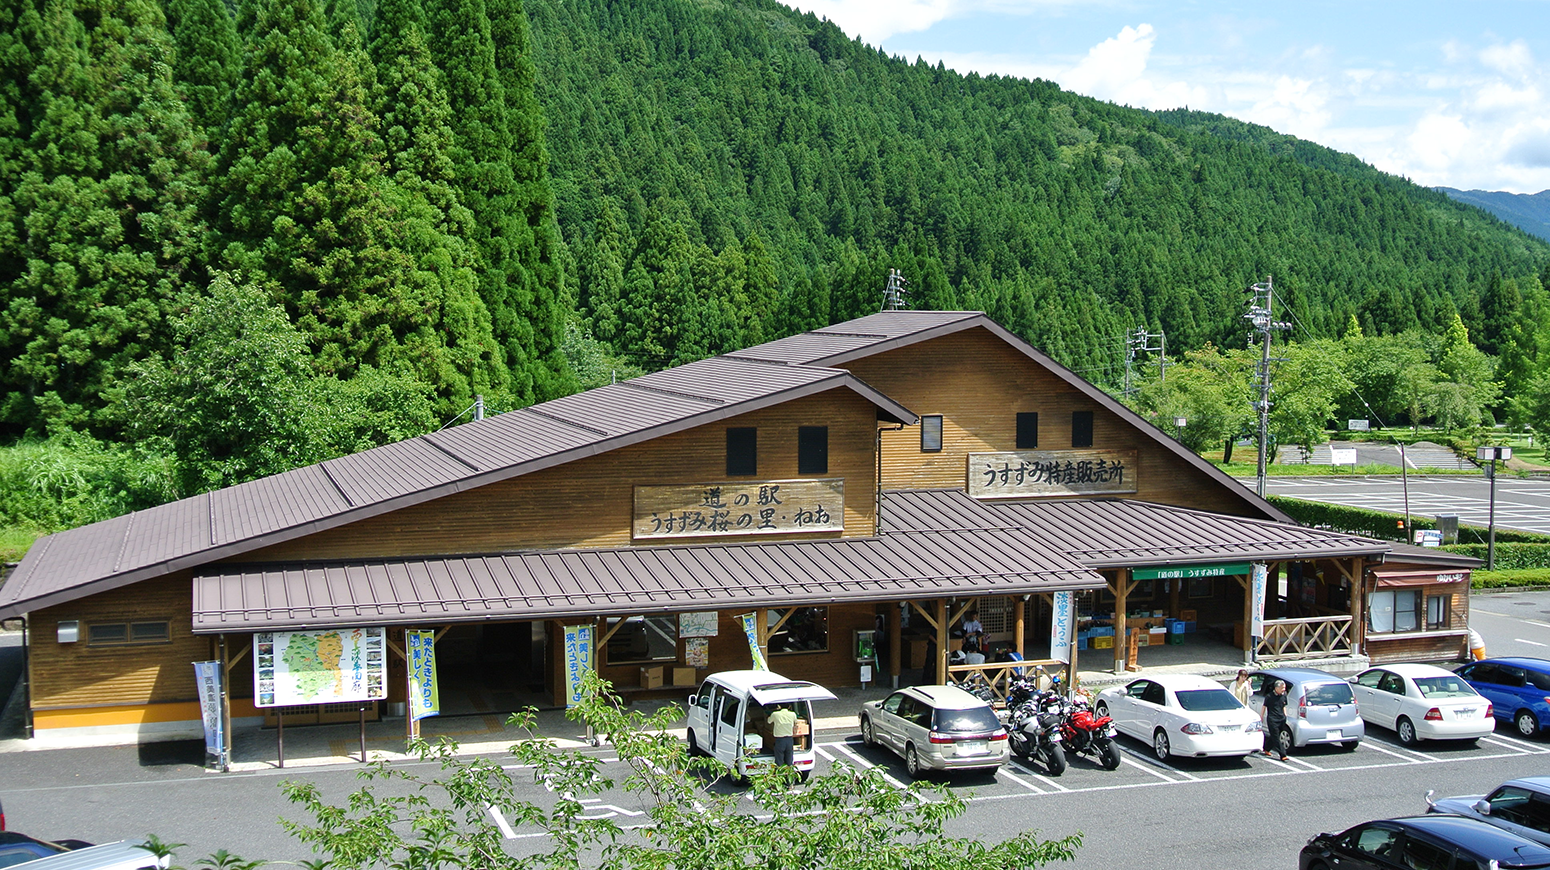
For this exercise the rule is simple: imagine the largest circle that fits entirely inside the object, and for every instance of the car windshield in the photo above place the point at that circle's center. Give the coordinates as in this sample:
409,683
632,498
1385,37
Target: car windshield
978,720
1329,693
1207,699
1450,686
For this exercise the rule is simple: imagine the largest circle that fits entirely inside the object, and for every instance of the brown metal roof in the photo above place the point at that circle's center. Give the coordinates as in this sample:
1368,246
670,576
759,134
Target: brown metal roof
889,330
586,583
246,517
1113,533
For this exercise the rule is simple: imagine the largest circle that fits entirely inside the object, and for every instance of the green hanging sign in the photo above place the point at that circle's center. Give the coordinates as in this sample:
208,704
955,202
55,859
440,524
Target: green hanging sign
1180,572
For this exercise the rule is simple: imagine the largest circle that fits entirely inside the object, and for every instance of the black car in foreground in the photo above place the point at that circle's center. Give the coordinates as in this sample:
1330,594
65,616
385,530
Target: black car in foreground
1431,842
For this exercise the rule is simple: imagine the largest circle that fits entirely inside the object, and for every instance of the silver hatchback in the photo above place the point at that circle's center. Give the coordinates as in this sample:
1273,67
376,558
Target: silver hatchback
1320,707
936,728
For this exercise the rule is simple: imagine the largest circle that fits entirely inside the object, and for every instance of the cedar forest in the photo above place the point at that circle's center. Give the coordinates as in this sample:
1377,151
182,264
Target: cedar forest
236,238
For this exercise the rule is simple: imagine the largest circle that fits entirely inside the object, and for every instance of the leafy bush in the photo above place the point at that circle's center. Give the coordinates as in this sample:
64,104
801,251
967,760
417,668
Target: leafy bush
1509,557
71,479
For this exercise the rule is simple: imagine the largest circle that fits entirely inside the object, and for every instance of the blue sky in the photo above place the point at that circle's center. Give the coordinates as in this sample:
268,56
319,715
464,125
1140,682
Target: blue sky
1444,93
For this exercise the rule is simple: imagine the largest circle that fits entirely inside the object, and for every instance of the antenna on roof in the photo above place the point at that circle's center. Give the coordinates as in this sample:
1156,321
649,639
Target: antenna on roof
893,294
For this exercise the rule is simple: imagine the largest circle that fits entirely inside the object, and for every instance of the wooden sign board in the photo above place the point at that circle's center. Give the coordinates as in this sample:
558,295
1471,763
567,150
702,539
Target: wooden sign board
726,509
1030,473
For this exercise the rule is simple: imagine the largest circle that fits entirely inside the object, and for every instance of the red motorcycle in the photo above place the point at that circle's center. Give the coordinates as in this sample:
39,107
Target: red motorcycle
1086,734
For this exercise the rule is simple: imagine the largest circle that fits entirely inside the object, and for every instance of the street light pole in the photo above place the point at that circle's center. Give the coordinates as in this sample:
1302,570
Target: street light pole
1490,454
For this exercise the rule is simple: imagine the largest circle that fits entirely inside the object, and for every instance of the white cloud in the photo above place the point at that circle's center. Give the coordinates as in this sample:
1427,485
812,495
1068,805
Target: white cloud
1295,106
1512,59
877,20
1115,70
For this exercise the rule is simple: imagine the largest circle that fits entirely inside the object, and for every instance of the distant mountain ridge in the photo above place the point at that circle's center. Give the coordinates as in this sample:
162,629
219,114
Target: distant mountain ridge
1529,212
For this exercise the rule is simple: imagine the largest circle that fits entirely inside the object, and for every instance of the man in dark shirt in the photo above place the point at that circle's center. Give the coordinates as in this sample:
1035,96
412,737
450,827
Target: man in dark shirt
1274,717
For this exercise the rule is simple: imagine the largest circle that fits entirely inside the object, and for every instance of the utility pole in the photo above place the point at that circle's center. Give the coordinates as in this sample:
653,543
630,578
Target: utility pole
1136,342
893,293
1261,301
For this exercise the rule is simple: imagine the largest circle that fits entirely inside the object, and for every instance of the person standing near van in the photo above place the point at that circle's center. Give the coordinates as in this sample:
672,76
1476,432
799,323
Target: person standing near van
783,723
1274,716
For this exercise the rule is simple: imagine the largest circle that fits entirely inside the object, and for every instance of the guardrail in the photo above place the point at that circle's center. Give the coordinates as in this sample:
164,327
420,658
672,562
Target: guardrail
1310,638
1000,675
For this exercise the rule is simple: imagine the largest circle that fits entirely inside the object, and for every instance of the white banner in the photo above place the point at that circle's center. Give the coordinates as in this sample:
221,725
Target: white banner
1257,589
327,666
1060,626
207,675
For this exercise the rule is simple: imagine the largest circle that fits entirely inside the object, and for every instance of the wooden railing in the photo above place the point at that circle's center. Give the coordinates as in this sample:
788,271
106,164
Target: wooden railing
1000,675
1311,638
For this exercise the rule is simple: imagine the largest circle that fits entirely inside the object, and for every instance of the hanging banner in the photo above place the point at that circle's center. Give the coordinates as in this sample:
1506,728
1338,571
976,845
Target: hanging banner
319,667
578,660
1060,623
207,675
424,688
1257,588
751,628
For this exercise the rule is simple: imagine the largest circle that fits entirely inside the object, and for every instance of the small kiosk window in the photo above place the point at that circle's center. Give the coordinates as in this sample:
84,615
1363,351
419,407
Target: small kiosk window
812,450
652,638
931,433
1081,428
1027,430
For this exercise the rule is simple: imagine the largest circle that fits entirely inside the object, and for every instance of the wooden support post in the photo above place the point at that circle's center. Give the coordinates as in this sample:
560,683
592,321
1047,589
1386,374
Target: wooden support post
1121,593
895,641
1019,611
1247,582
1358,580
1173,596
941,641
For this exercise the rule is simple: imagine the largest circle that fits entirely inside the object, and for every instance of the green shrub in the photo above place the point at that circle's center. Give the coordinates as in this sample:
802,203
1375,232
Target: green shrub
1509,557
1509,579
71,479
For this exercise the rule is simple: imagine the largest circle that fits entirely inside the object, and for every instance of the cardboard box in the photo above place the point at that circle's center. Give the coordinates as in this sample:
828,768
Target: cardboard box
685,677
651,678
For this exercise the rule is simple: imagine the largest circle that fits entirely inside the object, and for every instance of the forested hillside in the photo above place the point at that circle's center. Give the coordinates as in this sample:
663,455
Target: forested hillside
232,242
1529,212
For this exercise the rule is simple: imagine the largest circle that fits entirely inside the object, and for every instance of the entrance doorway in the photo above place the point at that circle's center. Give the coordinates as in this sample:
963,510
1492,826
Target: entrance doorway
492,668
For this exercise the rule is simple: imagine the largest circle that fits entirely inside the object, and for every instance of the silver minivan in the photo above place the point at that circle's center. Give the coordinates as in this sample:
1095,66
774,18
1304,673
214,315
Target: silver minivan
1320,707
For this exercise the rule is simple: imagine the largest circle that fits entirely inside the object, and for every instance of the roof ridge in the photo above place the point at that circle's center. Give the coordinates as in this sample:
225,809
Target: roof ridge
533,409
667,391
448,451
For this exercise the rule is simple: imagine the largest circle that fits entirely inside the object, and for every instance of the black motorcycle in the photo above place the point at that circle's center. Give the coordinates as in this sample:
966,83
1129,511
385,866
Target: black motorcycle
1034,729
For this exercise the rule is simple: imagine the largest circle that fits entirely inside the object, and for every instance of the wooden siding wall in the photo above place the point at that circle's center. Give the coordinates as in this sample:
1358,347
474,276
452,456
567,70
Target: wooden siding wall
588,503
979,385
79,675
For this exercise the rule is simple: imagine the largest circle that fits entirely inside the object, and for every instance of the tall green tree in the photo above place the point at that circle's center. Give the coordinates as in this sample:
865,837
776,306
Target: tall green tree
208,62
101,176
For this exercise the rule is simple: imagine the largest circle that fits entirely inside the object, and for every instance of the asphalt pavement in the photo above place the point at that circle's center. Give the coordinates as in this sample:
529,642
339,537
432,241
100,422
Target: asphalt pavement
1521,503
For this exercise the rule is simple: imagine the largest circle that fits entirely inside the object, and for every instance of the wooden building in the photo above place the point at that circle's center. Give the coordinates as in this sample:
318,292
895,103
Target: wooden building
887,473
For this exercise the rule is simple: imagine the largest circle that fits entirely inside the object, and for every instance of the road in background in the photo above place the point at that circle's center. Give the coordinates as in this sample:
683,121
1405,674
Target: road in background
1520,504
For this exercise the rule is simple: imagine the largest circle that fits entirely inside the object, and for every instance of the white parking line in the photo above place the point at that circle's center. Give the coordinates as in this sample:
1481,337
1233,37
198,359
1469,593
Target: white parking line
1039,776
1530,642
1020,781
856,757
1148,767
1414,757
1505,745
1305,762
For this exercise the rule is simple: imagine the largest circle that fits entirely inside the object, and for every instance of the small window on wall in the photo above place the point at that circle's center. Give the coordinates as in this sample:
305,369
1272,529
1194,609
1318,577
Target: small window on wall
931,433
806,631
1027,430
1394,610
124,633
1081,428
1437,608
651,638
742,451
812,450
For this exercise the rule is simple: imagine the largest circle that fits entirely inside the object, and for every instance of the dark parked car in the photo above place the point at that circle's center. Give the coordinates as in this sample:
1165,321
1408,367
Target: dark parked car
1521,806
19,848
1431,842
1518,689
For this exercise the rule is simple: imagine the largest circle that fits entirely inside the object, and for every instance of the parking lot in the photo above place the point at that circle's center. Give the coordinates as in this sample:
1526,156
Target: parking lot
1522,504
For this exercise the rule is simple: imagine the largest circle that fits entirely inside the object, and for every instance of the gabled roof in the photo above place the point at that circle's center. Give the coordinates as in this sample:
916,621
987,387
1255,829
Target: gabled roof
556,584
243,518
1121,533
890,330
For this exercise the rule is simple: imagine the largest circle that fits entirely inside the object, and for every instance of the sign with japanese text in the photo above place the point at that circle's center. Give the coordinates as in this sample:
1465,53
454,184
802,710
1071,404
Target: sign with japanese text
751,628
1179,572
578,660
1062,617
1259,578
327,666
699,624
1025,473
768,507
207,675
424,688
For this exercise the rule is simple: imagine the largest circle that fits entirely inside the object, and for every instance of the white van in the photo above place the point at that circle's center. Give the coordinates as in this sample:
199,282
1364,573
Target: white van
728,719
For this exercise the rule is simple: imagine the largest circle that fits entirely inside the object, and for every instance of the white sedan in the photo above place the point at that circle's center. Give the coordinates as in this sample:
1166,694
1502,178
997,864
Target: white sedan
1183,714
1422,702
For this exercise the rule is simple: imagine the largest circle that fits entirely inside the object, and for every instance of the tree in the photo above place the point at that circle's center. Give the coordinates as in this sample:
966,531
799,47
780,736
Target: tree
846,819
1209,389
1308,385
209,59
101,176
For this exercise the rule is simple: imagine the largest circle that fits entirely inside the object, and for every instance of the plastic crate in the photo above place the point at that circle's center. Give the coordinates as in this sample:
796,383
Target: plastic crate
1189,627
1175,628
1081,643
1176,638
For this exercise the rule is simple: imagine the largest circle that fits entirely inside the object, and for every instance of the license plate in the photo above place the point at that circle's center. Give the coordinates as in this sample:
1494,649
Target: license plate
1334,735
973,747
1465,711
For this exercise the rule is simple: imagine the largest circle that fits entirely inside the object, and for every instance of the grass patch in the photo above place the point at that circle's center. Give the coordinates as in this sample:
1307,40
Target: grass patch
14,542
1510,579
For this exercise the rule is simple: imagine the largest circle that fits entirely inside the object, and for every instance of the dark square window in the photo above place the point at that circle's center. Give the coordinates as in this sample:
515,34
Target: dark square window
743,451
812,450
931,433
1081,428
1027,430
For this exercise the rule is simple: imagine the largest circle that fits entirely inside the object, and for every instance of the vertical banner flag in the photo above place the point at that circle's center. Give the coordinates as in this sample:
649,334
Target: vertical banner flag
578,660
208,677
751,628
424,693
1060,627
1257,589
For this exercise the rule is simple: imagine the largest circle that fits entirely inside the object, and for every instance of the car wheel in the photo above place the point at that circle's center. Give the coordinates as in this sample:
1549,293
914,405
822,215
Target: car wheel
868,736
694,745
1350,745
1473,741
1404,729
805,775
1528,723
1101,710
1286,741
1160,745
911,762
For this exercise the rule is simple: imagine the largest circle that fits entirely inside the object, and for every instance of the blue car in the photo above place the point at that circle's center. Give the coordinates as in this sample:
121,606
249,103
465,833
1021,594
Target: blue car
1518,689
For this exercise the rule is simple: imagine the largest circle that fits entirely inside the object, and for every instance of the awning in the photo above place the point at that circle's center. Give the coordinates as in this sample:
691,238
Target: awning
1419,578
590,583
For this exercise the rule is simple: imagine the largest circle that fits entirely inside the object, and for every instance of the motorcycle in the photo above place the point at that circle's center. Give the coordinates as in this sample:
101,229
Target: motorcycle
1086,734
1034,730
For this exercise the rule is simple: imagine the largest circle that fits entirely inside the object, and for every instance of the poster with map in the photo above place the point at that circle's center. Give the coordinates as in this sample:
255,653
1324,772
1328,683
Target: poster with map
319,667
